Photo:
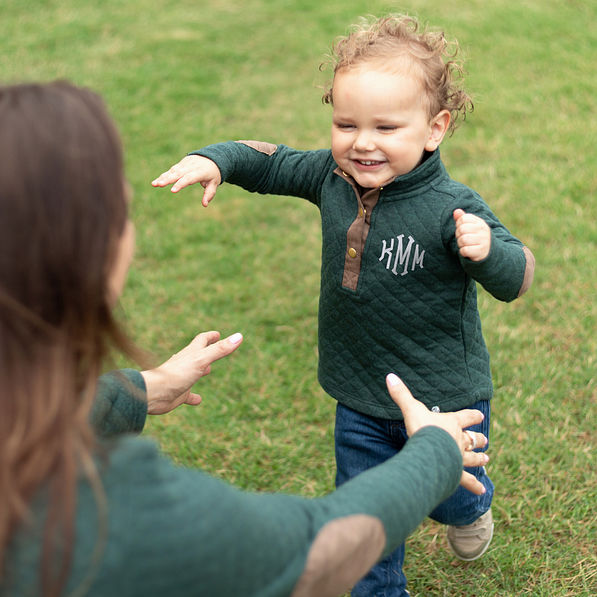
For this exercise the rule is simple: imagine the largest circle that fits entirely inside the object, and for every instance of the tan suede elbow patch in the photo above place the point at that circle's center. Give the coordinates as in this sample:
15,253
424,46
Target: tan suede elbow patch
344,551
261,146
529,271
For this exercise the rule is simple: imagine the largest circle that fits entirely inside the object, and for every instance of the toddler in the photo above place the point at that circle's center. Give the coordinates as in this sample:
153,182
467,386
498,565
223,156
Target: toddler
403,248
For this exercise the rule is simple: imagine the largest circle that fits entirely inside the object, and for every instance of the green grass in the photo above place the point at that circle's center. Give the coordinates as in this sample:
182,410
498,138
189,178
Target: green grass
180,74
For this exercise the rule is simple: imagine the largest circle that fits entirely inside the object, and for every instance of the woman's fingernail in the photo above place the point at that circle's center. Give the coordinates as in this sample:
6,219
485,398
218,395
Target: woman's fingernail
392,379
235,338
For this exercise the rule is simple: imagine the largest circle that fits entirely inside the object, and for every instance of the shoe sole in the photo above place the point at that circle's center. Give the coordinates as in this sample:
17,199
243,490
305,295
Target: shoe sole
479,554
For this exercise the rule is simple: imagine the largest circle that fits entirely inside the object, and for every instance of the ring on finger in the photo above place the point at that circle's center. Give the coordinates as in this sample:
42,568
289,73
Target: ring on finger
473,444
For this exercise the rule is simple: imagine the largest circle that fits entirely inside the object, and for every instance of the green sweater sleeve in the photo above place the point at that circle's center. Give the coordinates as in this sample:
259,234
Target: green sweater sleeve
175,531
120,405
271,169
508,267
503,272
422,475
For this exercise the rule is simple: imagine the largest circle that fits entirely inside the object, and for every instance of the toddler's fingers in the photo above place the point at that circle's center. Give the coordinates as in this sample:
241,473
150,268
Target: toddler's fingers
458,213
209,193
165,178
184,180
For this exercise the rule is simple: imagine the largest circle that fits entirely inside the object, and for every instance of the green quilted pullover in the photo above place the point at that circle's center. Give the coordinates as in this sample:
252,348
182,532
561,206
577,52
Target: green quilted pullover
395,294
169,531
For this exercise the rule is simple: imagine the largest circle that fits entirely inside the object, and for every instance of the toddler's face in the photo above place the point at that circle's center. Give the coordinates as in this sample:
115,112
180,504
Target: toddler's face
380,125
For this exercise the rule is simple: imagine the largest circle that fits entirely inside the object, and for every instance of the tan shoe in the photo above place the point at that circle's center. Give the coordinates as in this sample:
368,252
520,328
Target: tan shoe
471,541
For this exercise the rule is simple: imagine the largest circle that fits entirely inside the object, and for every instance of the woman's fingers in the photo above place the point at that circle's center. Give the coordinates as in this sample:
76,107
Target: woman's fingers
471,483
474,459
469,417
476,440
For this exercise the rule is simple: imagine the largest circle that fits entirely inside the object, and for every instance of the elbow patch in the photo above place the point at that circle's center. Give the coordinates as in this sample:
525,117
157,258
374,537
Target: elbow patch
529,271
260,146
344,551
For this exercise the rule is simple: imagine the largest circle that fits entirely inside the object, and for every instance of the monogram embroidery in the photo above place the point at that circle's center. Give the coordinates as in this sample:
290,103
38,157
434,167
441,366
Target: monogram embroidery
398,256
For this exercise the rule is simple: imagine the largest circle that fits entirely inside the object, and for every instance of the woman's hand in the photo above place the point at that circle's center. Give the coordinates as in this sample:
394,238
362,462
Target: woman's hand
191,170
417,415
169,385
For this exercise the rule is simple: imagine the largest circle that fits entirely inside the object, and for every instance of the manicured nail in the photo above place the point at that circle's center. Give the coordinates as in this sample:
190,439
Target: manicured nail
235,338
392,379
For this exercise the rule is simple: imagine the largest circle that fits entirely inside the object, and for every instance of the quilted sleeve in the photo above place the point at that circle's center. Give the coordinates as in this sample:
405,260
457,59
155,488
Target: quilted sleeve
507,272
203,528
266,168
120,405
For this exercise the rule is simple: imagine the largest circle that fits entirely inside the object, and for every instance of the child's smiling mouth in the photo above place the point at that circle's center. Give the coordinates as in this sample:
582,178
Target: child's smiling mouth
368,163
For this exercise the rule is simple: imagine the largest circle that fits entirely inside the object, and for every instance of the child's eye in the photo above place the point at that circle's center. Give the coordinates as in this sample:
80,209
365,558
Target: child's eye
344,126
387,127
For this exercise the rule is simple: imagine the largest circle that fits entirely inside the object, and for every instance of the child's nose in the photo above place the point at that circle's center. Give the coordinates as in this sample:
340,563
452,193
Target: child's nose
364,141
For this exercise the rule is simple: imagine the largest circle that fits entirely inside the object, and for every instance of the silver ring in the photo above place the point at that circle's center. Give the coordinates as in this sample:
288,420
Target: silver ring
473,440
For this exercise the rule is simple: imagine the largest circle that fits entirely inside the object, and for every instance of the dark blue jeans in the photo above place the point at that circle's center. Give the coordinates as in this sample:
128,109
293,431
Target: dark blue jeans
363,442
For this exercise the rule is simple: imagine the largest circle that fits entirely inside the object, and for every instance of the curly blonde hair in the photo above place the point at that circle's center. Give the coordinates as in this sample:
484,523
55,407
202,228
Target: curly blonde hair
400,41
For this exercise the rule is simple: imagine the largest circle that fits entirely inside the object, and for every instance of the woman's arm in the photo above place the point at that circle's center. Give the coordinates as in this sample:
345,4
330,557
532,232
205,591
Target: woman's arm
120,405
124,398
207,533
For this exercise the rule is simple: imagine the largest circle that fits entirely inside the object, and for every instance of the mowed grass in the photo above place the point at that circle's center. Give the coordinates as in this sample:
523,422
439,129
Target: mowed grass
177,75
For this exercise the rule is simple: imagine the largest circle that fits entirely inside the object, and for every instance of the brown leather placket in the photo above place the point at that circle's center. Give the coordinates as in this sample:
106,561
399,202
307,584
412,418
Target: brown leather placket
357,233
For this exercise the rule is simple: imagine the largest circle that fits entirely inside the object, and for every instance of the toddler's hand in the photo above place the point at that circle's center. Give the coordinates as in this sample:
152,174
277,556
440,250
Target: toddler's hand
473,235
190,170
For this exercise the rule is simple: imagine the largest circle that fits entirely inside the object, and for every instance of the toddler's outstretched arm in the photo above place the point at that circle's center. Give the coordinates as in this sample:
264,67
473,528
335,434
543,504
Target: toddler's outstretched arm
190,170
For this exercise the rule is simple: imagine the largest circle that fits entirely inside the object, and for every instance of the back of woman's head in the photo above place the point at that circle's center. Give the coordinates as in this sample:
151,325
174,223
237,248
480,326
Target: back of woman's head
62,203
62,211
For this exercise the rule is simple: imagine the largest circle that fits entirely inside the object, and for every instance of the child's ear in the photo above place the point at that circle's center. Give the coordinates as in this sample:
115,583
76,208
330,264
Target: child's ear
439,126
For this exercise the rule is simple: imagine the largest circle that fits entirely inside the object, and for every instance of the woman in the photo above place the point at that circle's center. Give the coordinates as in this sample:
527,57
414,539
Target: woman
87,508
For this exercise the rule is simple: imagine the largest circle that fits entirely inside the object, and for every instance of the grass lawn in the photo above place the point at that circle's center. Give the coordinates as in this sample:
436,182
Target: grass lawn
181,74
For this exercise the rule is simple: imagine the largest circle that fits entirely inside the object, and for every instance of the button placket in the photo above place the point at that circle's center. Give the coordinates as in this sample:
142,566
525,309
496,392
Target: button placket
356,235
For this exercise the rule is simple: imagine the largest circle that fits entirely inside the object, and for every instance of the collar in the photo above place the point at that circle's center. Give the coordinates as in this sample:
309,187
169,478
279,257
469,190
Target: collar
424,174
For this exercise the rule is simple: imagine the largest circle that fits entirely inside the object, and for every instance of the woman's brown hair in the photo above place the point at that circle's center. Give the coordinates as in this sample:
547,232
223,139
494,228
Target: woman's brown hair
62,212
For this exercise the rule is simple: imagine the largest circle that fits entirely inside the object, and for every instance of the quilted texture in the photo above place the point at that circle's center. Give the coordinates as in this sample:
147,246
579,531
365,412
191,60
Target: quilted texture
413,310
178,532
